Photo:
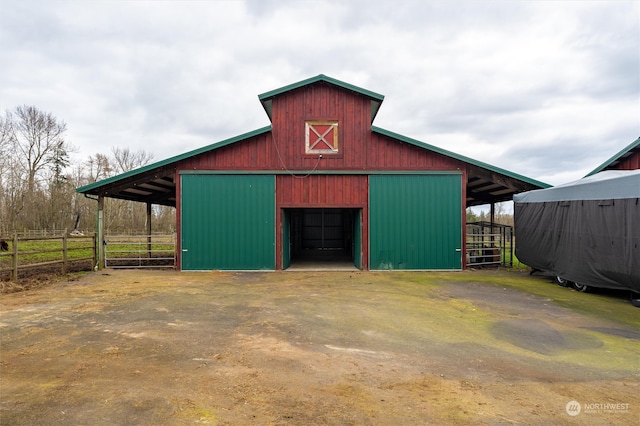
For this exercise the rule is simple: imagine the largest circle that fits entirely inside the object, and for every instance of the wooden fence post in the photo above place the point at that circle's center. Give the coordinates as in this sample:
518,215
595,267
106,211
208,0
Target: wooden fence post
64,252
14,258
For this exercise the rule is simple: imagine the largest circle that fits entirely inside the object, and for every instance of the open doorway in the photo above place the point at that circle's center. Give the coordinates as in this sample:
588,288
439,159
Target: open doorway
322,238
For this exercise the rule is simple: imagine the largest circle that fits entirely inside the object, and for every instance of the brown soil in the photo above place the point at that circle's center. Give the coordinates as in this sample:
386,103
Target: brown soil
163,347
41,276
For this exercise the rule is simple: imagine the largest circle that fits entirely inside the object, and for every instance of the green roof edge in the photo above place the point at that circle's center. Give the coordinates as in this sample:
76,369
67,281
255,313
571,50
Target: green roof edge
458,156
619,154
321,77
174,159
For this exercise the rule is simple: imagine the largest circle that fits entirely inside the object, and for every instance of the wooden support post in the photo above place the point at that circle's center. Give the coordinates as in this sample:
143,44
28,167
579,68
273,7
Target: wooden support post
100,232
492,238
64,252
493,215
493,222
149,230
95,248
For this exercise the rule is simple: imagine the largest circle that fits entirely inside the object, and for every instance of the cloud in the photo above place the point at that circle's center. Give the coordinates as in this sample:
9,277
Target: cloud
546,89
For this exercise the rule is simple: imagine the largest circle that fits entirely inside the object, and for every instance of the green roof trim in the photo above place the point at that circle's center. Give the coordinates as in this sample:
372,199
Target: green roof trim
458,157
169,161
376,98
633,145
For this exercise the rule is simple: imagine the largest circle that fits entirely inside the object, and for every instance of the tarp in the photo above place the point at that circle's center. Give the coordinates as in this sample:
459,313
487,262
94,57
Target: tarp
608,185
586,231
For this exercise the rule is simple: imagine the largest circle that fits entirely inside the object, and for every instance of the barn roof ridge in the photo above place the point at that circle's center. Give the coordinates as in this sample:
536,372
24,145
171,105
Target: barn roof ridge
267,97
633,146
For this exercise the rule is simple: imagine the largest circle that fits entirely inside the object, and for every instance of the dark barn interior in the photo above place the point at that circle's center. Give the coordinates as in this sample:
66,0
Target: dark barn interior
321,235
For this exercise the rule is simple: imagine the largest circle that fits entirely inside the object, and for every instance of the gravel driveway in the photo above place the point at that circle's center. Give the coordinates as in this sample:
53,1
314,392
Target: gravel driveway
164,347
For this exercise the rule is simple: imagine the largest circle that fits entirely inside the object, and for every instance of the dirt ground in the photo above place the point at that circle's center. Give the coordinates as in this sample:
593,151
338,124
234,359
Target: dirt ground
311,348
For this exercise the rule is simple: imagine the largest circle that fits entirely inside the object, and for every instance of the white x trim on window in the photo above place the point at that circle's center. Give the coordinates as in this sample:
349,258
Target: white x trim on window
321,137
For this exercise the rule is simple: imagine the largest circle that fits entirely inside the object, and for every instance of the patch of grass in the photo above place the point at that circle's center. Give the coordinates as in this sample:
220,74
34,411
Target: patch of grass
519,265
36,251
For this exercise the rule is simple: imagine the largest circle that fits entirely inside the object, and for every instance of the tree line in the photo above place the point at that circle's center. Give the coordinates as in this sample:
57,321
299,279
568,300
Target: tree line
38,180
501,216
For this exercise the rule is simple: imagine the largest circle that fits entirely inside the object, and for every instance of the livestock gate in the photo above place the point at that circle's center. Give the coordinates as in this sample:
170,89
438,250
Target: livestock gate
489,244
140,251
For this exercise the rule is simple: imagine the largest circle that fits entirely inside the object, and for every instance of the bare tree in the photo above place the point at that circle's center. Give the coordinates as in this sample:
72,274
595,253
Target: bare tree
98,168
38,141
126,215
6,129
33,158
5,142
126,160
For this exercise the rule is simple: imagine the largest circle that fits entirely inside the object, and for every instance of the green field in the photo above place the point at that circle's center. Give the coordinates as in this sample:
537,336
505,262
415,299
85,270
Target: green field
36,251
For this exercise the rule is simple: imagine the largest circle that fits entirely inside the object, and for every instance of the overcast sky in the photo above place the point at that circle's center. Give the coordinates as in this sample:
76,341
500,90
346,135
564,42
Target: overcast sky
546,89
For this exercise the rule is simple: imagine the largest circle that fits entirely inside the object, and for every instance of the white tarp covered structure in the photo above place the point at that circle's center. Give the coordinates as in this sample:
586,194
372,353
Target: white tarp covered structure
587,231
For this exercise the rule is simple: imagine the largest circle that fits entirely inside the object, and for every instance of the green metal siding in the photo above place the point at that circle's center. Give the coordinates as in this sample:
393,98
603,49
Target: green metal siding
415,221
357,239
228,222
286,239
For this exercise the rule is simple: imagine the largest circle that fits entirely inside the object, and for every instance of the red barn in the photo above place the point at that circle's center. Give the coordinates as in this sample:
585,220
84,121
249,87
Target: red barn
320,184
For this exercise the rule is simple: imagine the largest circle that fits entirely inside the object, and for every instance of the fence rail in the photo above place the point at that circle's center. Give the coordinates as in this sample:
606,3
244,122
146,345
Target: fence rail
483,249
32,252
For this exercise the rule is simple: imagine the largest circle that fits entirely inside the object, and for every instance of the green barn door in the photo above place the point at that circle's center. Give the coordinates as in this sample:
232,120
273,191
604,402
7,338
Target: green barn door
357,238
415,221
228,222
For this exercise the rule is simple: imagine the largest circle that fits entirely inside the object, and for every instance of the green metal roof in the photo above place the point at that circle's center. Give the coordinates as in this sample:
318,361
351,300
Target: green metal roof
122,185
627,151
459,157
376,98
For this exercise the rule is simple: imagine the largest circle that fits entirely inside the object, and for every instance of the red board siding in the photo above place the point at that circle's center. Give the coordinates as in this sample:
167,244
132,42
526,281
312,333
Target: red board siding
321,102
385,153
370,151
631,163
256,153
321,191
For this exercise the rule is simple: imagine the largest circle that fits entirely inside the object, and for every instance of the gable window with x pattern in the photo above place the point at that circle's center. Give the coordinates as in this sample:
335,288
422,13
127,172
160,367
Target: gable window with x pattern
321,137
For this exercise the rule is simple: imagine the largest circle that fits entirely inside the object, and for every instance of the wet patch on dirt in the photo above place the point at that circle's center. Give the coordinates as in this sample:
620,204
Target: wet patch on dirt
537,336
